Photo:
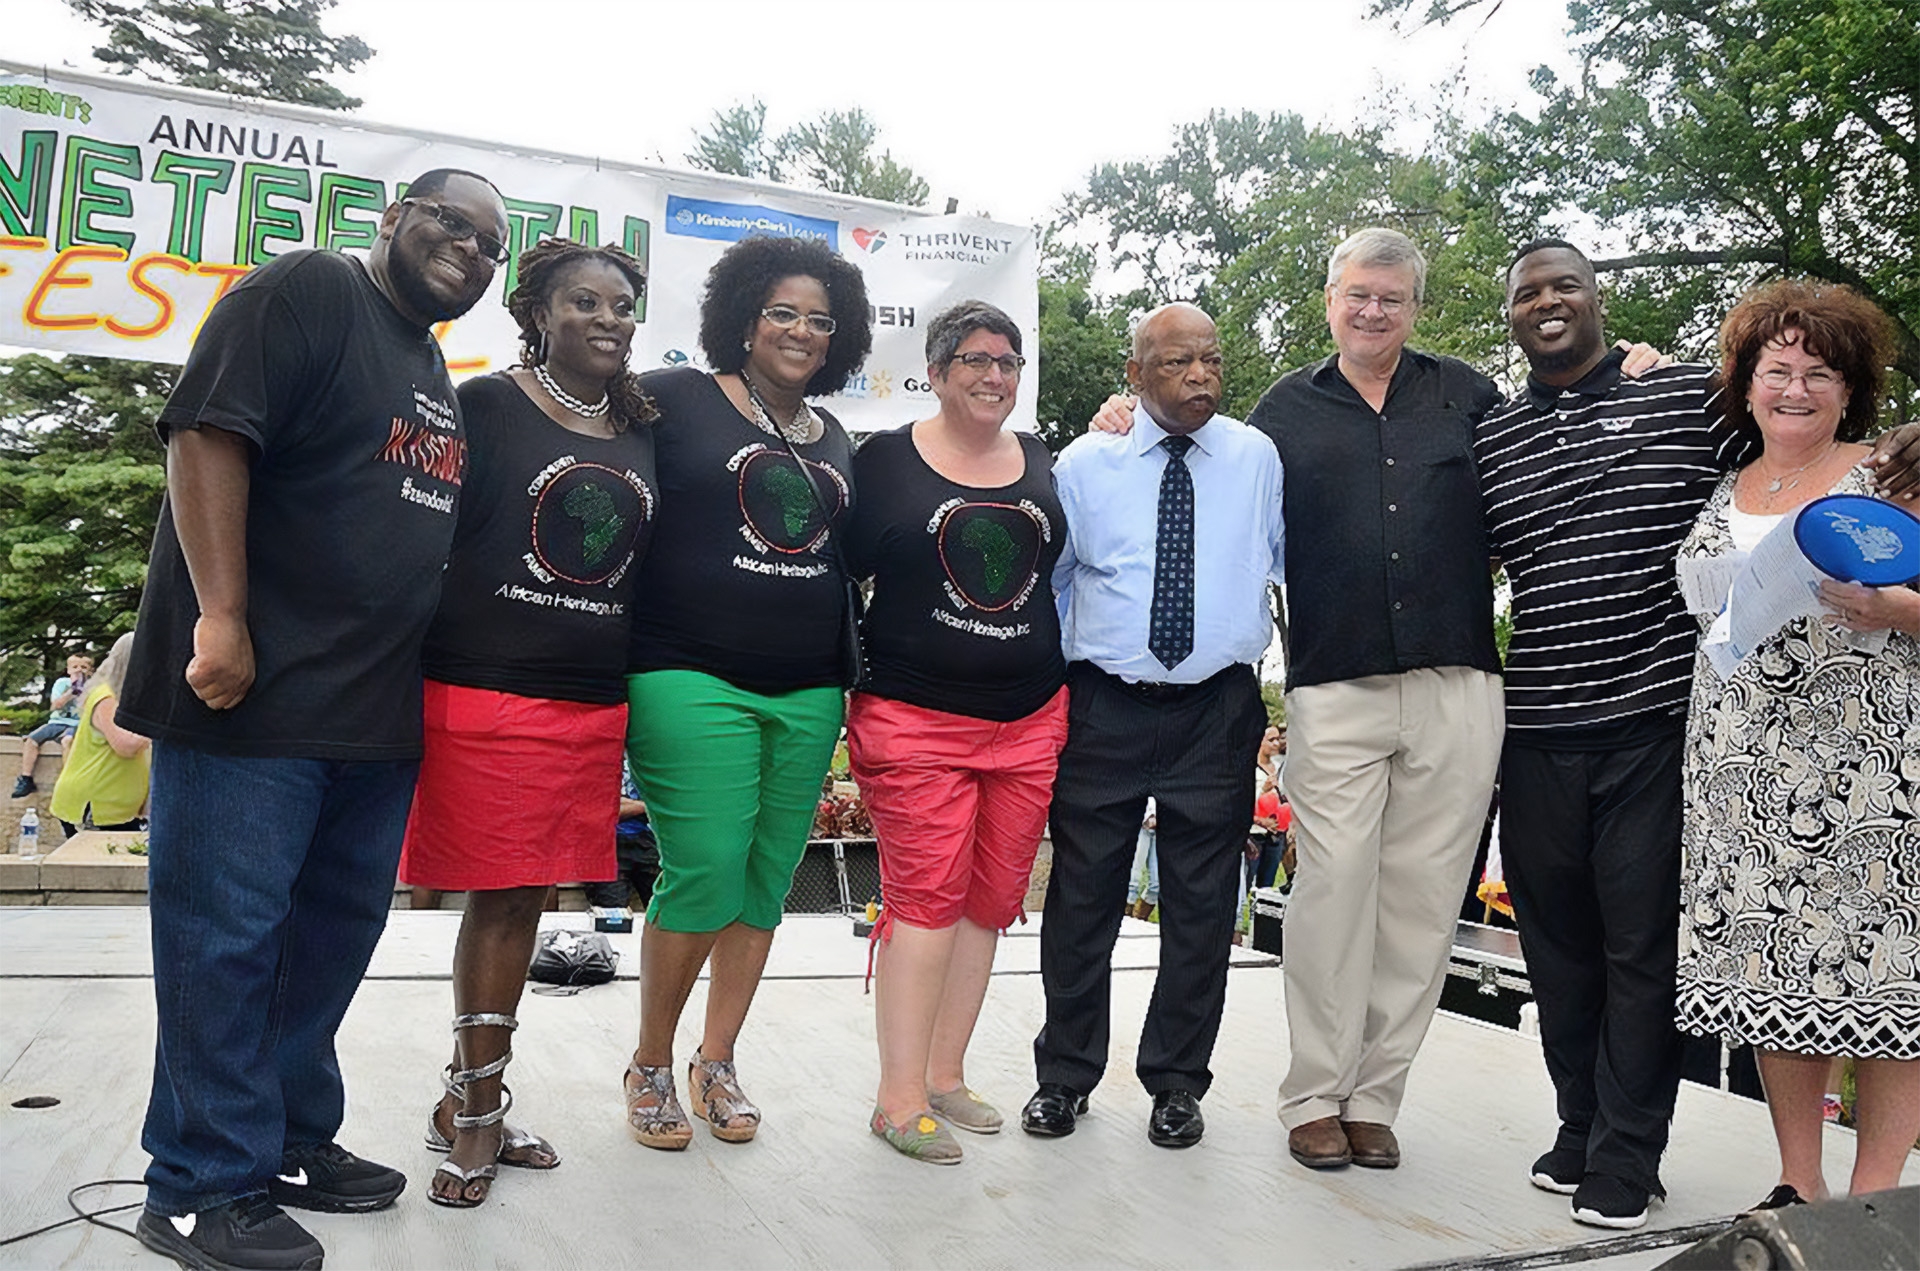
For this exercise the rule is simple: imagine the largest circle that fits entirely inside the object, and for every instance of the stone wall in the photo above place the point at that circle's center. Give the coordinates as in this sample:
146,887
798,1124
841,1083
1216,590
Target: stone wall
45,773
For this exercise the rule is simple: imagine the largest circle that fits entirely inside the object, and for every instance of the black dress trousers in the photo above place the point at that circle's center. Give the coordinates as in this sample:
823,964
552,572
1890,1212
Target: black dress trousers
1192,748
1591,848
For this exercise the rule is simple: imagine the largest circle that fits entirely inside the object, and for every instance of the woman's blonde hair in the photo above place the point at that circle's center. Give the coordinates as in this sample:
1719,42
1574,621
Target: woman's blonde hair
114,669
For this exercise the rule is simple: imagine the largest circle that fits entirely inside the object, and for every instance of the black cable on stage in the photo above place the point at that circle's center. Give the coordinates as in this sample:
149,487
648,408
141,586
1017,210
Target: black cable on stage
87,1215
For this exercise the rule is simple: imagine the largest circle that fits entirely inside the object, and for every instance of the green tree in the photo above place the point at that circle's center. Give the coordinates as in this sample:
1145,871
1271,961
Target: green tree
81,471
835,152
1240,215
1084,342
81,474
736,143
1730,141
274,49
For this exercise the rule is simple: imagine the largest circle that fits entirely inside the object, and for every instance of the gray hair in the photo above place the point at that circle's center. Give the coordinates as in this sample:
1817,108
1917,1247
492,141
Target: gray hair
955,323
1140,328
1378,247
113,668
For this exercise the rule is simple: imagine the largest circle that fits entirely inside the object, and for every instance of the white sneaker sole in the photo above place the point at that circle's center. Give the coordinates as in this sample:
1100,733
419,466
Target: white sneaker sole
1618,1222
1548,1183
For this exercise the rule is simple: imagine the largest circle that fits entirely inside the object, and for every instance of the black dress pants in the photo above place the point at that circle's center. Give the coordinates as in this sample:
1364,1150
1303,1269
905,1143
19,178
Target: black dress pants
1591,848
1193,749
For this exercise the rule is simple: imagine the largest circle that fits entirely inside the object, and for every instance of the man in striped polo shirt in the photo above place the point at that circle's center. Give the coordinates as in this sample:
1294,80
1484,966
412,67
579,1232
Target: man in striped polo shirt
1591,480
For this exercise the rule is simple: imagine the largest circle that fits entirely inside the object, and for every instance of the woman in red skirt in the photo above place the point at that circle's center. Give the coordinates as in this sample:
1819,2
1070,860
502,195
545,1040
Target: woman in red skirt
525,669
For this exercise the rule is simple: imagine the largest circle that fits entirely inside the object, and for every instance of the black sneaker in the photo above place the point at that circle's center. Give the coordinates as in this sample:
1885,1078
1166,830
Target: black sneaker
328,1178
1559,1171
1603,1200
250,1234
23,786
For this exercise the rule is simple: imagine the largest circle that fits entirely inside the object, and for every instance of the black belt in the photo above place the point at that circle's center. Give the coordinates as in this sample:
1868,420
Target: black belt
1158,691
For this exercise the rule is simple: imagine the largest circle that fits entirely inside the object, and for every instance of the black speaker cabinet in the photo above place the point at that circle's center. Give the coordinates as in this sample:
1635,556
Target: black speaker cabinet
1860,1233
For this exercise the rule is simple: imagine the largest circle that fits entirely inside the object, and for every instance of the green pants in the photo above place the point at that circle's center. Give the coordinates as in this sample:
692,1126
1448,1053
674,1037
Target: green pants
732,779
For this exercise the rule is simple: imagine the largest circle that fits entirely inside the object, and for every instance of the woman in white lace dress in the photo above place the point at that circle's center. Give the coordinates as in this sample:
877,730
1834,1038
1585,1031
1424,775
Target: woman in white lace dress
1800,888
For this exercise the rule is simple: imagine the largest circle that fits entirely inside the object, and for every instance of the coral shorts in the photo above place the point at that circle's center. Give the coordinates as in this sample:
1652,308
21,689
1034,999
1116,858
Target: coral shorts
958,803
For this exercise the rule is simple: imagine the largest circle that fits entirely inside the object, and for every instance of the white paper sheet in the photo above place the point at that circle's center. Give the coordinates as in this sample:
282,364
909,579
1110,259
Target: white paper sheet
1775,585
1707,581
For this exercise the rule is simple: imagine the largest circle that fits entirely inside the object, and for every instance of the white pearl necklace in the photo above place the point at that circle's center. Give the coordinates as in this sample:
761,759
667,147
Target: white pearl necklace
567,400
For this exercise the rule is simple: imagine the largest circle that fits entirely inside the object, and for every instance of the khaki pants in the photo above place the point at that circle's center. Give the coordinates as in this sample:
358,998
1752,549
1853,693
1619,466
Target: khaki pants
1390,777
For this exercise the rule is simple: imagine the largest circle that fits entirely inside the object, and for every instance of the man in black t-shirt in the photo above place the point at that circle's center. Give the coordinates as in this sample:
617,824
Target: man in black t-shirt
314,459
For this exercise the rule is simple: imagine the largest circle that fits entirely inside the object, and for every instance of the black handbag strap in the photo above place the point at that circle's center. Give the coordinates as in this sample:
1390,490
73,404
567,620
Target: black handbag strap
826,516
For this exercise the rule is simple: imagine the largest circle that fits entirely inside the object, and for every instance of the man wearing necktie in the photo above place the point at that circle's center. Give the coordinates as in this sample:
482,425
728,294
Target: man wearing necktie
1173,533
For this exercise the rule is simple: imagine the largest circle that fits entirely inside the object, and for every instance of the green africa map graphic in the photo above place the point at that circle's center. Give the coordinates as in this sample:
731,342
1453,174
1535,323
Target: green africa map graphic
997,552
600,522
795,496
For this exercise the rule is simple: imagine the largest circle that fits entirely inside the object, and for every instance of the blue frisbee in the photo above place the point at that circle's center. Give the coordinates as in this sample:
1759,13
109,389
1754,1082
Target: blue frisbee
1860,540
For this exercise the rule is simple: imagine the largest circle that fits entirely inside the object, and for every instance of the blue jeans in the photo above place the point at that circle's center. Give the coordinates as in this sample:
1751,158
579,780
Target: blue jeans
53,730
1145,860
1264,868
269,883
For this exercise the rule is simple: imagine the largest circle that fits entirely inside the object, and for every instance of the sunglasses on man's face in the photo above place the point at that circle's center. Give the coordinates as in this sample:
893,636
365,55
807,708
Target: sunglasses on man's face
458,227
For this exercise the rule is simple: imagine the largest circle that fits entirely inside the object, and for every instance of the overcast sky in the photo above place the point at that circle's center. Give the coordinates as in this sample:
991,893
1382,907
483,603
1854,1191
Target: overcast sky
1005,107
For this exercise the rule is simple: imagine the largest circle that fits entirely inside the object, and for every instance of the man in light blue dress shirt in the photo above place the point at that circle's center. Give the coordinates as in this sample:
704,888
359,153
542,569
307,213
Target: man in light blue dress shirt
1173,533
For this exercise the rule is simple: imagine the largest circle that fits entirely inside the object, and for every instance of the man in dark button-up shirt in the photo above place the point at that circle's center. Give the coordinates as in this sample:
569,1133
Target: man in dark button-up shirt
1393,698
1388,552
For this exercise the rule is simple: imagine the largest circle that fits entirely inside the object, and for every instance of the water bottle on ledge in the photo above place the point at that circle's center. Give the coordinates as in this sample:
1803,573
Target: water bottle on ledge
30,834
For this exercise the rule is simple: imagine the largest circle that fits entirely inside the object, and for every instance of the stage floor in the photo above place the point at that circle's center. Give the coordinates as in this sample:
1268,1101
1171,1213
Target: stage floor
816,1189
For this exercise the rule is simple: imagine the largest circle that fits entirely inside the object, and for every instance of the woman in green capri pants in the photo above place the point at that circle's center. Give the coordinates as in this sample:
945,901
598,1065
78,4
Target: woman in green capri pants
735,661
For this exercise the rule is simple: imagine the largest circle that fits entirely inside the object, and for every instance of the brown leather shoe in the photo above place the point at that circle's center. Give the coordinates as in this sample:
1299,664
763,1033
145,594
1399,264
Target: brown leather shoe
1320,1144
1374,1146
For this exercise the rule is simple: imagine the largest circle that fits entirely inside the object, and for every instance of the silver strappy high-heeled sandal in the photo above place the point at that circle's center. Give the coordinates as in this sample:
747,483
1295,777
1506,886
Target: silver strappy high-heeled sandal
511,1140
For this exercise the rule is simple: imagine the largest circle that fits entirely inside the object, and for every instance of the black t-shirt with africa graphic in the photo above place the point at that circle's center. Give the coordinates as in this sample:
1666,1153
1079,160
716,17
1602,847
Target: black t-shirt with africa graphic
962,618
741,581
539,590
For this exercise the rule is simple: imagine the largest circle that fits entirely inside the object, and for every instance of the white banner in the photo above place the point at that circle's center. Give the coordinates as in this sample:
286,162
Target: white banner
127,209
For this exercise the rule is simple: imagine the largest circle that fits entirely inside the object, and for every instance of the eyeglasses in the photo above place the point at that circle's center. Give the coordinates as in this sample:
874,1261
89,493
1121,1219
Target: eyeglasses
1359,300
1818,380
787,318
458,227
1008,363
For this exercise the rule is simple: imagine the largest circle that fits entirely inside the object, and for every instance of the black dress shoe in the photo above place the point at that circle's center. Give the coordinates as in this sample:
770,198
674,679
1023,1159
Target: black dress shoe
1176,1119
1051,1111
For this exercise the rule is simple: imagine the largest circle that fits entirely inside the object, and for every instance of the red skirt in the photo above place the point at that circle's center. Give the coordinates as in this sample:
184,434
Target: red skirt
514,792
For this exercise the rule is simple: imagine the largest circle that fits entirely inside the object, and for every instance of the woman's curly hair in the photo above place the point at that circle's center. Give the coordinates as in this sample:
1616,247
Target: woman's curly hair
743,278
541,267
1837,324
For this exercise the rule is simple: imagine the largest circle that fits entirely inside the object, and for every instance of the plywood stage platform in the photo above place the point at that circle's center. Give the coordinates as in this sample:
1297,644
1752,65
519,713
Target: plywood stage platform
816,1189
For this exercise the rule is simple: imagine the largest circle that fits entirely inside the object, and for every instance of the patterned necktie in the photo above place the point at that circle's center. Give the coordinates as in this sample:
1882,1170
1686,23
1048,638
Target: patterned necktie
1170,638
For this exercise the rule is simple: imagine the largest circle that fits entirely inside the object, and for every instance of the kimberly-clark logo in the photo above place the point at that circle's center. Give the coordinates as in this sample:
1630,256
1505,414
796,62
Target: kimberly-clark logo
869,240
731,222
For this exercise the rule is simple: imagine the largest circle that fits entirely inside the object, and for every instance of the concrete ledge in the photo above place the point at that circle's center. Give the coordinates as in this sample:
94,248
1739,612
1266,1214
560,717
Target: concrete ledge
18,878
95,868
45,773
94,899
97,861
